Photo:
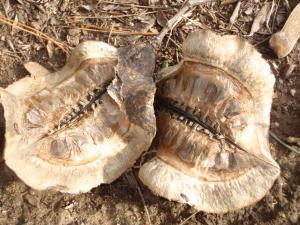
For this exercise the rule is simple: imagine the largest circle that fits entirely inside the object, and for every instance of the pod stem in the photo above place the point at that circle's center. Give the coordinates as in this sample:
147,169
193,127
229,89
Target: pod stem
284,144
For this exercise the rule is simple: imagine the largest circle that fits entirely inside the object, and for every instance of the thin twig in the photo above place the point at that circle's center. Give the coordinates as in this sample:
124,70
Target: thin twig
235,14
109,35
262,41
94,28
186,6
275,15
133,180
135,5
196,23
187,219
32,31
169,37
112,16
284,144
117,16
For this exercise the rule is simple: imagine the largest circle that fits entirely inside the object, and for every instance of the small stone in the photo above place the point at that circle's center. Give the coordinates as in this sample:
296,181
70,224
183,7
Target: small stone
294,218
288,70
293,92
249,11
71,205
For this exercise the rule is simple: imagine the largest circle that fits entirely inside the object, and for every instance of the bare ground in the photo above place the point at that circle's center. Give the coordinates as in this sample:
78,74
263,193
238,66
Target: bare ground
120,202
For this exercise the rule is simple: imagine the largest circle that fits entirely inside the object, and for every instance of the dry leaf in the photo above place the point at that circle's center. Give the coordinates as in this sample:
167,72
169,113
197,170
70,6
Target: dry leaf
235,13
6,7
63,5
161,18
16,20
260,18
50,49
87,7
149,2
269,15
144,24
11,45
227,2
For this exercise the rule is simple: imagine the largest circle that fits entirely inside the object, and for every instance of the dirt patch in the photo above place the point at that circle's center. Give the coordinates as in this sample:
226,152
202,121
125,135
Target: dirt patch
120,202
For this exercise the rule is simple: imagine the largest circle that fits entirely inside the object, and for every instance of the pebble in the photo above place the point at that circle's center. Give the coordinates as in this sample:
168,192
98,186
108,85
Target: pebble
70,206
249,11
294,218
293,92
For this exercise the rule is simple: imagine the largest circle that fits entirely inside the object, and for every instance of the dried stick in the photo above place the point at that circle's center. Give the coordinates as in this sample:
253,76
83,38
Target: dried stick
135,5
93,28
235,13
187,219
187,5
132,180
32,31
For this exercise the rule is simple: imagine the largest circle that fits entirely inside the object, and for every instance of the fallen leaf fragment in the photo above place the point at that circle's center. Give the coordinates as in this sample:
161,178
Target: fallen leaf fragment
260,18
269,15
227,2
161,18
235,13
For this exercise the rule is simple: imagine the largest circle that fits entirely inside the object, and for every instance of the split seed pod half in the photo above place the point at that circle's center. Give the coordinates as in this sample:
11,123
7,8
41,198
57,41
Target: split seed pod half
213,122
82,126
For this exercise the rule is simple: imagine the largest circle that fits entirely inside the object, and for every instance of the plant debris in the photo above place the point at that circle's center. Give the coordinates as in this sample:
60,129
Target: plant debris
261,18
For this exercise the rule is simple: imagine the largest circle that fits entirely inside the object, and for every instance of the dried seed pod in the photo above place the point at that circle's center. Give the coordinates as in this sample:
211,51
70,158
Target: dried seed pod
57,138
284,41
222,167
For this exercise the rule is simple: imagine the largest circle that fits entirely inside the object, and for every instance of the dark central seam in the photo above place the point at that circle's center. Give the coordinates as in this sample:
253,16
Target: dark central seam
165,103
80,108
160,101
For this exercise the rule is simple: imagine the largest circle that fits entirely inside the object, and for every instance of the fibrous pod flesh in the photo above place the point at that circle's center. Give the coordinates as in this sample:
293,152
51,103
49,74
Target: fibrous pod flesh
82,126
213,122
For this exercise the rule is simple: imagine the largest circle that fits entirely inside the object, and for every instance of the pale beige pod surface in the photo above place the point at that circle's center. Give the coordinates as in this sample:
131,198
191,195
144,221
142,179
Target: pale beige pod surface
212,124
79,127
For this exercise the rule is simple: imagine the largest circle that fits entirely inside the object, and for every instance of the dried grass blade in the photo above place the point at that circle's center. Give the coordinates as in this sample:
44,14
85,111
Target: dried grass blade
34,32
